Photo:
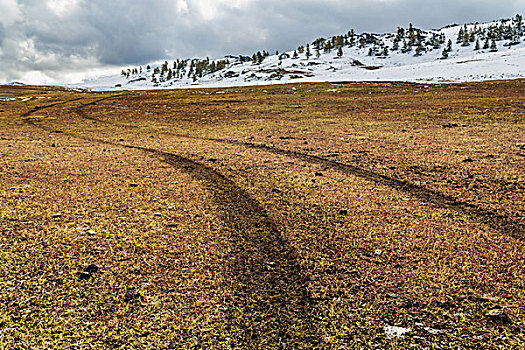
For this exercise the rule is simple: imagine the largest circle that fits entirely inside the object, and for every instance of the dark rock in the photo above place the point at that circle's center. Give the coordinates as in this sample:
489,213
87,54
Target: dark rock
231,74
212,159
57,215
317,173
135,80
498,316
132,296
450,125
468,160
133,185
171,225
84,275
343,212
91,268
287,138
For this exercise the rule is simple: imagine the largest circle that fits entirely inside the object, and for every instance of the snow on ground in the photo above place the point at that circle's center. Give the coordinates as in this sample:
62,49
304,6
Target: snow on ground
463,64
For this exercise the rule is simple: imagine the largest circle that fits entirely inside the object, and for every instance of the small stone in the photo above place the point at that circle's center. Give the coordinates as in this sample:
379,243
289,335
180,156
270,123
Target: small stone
158,214
132,296
57,215
175,183
468,160
317,173
91,233
498,316
84,275
91,268
378,252
212,159
170,208
343,212
171,225
133,185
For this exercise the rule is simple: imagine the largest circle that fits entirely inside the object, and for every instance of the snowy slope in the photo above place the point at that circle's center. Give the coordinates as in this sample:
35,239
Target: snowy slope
359,62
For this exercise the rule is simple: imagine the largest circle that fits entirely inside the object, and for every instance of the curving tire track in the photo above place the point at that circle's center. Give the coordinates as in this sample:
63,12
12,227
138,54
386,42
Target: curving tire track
270,299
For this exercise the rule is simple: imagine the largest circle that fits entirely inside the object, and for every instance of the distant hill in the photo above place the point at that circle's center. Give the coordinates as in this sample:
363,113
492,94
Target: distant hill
455,53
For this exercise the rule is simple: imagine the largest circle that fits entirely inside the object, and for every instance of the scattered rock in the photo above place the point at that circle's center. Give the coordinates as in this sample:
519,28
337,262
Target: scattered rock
171,225
287,138
121,140
158,214
450,125
91,268
132,296
212,159
378,252
87,231
468,160
133,185
498,316
175,183
84,275
57,215
276,190
343,212
317,173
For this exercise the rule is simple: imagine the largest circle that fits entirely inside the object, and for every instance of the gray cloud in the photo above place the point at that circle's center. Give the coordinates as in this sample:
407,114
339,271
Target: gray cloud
44,41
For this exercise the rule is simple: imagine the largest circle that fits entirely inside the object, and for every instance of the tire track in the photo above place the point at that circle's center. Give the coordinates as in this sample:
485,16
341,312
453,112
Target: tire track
494,220
270,303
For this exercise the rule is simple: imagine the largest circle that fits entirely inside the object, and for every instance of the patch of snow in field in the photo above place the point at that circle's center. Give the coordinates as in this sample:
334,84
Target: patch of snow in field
396,332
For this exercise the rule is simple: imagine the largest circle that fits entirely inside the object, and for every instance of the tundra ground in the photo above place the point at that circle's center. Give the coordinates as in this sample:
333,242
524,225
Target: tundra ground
296,216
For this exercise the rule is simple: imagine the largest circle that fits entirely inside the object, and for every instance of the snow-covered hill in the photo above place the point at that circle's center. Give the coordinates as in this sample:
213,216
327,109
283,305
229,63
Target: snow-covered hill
456,53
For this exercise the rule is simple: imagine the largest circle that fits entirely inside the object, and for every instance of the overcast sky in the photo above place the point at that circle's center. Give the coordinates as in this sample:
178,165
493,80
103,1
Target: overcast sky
61,41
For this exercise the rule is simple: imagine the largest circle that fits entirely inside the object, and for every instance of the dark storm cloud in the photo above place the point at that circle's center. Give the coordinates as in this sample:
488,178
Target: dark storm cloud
47,40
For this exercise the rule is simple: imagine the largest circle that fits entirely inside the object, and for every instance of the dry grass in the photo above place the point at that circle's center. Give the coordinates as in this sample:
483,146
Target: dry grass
295,216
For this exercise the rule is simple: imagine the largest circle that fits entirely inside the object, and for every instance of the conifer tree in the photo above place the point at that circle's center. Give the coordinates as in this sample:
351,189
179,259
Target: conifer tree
308,52
493,46
295,55
419,49
395,46
466,41
340,51
477,47
461,35
486,44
